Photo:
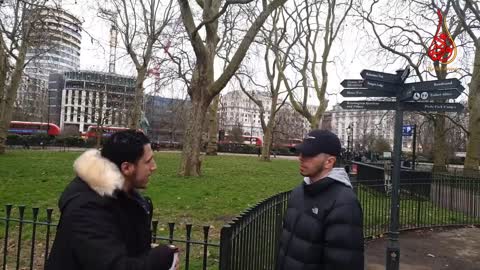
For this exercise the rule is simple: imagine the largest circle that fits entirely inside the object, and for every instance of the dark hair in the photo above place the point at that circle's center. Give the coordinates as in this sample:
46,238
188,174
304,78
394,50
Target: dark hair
124,146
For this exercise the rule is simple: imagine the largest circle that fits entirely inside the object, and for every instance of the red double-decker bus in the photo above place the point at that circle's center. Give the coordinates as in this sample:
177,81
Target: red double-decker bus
107,131
290,143
30,128
257,141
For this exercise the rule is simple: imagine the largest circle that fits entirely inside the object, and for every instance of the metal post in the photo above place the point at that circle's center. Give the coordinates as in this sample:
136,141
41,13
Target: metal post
393,247
414,157
348,147
48,110
251,130
225,247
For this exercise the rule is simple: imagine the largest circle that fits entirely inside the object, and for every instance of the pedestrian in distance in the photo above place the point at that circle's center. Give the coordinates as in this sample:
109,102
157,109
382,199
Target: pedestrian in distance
105,221
323,228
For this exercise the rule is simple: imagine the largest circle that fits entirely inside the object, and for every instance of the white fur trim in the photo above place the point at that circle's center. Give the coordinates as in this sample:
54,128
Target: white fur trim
99,173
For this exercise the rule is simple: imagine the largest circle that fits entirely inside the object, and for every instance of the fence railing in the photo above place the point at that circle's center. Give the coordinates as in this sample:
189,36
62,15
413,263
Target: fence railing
251,240
28,237
440,200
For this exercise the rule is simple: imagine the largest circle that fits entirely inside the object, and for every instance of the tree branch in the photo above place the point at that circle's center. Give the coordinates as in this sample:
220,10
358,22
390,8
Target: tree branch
232,67
189,24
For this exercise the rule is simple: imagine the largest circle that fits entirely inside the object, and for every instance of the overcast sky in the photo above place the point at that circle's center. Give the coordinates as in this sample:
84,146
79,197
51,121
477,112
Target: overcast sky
348,59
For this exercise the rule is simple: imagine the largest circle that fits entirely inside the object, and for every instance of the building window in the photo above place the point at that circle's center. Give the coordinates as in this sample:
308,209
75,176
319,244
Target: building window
79,97
72,95
87,94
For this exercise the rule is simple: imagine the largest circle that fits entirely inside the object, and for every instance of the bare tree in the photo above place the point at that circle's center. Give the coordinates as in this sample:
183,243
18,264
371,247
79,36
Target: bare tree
272,38
31,102
468,12
203,86
104,109
402,37
140,25
236,133
365,128
289,126
312,54
380,145
22,25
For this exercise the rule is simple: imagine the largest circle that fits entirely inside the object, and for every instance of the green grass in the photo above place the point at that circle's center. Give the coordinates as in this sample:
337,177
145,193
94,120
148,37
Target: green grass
414,212
229,184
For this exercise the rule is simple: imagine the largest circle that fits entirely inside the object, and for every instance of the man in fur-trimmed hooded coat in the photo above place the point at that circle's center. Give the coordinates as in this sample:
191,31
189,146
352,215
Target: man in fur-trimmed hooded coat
105,222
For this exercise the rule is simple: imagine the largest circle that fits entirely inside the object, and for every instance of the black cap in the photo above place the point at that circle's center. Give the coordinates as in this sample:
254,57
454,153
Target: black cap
319,141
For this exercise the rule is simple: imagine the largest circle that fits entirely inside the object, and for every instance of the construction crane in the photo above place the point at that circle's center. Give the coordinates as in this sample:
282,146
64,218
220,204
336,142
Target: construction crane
113,38
113,48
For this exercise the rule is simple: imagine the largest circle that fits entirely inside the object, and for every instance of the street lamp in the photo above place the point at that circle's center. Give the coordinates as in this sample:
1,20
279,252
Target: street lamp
349,141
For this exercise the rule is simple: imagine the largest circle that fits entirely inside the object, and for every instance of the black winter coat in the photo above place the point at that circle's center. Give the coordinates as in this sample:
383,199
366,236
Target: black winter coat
102,227
322,229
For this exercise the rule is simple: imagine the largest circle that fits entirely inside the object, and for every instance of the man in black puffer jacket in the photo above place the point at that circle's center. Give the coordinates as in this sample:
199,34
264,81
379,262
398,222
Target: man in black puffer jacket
105,222
323,227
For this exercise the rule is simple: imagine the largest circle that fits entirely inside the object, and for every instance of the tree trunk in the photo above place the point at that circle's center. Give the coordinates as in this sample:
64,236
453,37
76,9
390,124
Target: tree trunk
212,146
3,81
3,75
268,131
473,144
134,119
98,136
315,120
267,142
191,163
439,144
10,96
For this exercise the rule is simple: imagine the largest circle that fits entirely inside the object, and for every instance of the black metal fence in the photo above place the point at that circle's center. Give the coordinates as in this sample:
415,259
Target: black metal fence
27,240
251,240
440,202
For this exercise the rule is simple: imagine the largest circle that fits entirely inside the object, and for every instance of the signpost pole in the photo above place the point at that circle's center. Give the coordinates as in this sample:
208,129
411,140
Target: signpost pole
379,84
414,146
393,246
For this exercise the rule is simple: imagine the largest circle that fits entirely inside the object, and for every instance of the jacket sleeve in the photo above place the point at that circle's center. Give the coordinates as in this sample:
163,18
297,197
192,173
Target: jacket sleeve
344,246
97,242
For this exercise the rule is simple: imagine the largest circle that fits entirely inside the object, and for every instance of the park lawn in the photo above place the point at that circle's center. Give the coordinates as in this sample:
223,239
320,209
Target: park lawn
414,212
229,184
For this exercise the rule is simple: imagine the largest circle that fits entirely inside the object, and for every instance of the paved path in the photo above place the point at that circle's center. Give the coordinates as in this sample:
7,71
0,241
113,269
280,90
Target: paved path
455,249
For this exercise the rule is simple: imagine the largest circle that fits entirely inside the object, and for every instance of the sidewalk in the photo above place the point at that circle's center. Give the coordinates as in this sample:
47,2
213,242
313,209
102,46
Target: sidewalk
440,249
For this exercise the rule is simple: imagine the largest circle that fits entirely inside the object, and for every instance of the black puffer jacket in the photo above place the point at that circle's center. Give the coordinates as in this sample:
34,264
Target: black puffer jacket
102,227
323,227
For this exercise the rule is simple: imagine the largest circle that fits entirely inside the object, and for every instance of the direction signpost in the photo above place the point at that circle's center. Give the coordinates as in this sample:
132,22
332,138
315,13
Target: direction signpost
408,97
432,107
380,86
368,105
359,92
439,89
380,76
352,83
